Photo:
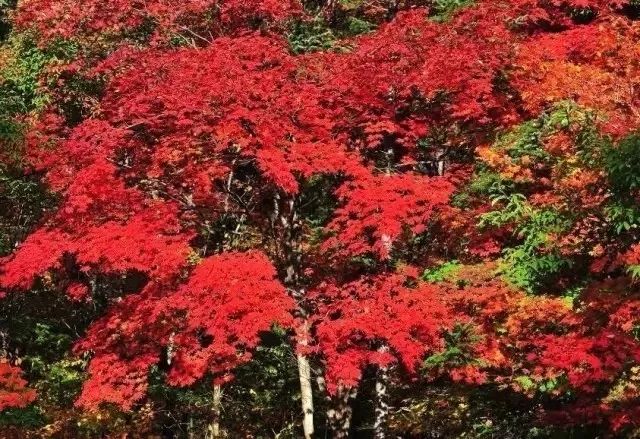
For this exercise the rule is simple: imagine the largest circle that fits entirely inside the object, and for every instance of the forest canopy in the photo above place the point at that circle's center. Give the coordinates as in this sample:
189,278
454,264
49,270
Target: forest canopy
320,218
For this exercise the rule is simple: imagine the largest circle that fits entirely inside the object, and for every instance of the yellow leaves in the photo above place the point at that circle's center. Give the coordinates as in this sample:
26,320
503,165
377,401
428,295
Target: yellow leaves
193,258
577,179
535,313
627,388
496,158
597,251
526,160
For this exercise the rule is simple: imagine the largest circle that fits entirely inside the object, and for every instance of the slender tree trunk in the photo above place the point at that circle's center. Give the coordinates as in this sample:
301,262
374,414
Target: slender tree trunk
306,392
306,389
382,406
213,431
285,220
441,161
4,344
190,429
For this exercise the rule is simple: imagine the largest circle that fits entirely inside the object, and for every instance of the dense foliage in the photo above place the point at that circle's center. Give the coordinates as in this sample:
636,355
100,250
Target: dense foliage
329,218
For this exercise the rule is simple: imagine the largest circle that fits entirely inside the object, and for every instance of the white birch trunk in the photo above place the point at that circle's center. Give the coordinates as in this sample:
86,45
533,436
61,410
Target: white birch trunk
306,392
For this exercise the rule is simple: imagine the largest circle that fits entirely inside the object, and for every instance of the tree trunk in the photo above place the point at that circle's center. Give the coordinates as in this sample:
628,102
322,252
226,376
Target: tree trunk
286,226
190,429
214,426
382,405
306,392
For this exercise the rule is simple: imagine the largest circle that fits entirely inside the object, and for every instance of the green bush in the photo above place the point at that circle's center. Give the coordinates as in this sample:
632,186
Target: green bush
623,166
443,10
310,36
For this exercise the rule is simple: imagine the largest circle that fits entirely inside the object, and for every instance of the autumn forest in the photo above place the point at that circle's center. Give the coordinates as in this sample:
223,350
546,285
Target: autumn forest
320,219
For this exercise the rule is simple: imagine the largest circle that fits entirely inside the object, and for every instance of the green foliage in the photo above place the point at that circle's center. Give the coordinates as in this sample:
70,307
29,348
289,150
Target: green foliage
443,10
316,35
30,417
265,393
634,271
538,227
261,401
315,206
571,295
26,200
592,146
515,209
458,351
357,26
41,326
622,216
525,382
623,167
485,183
20,90
463,413
60,381
488,183
181,410
524,141
141,34
351,4
310,36
23,197
57,379
531,271
534,261
79,98
11,136
540,385
44,338
441,273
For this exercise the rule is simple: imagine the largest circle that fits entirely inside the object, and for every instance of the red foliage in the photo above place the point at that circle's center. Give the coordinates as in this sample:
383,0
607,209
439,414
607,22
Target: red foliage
40,252
228,300
90,18
77,292
379,209
209,324
116,381
377,321
179,130
586,360
181,120
592,65
150,243
14,392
